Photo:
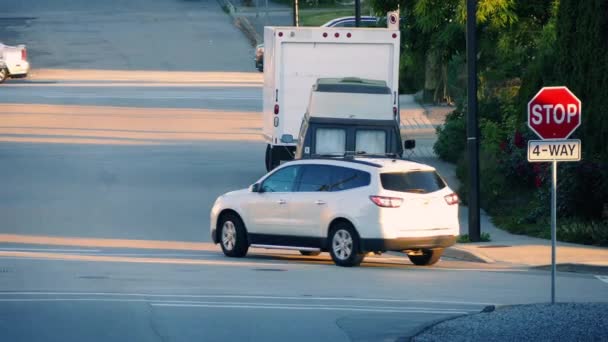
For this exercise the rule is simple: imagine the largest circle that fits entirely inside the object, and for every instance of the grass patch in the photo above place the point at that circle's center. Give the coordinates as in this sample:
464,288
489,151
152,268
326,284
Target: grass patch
484,237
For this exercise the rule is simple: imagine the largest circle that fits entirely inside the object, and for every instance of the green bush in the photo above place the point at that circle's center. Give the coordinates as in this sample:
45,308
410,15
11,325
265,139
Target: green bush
451,137
523,46
588,233
483,237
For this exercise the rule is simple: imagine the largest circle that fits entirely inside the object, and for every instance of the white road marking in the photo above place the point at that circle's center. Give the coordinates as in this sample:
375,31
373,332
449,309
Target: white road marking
202,254
117,254
308,298
324,308
235,304
210,257
16,255
602,278
250,305
11,249
14,86
201,96
505,270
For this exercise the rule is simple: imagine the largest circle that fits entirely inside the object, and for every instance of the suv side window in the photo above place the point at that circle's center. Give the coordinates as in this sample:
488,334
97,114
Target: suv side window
345,23
315,178
282,180
344,178
369,23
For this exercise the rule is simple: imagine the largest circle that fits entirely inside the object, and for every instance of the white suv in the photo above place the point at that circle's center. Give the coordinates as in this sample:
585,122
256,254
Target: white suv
348,207
13,62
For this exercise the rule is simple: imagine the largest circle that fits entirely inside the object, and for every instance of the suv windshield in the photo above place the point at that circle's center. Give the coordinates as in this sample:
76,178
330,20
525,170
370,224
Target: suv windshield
421,182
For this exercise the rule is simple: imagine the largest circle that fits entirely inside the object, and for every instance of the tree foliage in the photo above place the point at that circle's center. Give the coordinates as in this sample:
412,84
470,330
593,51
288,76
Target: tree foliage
522,46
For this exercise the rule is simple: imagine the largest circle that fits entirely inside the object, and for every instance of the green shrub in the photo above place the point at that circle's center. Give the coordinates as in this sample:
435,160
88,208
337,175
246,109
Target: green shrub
588,233
451,137
483,237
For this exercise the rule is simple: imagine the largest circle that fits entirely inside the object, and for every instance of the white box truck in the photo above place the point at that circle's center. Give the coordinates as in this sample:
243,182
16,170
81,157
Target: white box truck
296,57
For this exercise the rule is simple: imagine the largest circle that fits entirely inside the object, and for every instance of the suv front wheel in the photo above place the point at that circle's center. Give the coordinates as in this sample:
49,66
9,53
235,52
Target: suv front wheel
233,236
344,246
3,74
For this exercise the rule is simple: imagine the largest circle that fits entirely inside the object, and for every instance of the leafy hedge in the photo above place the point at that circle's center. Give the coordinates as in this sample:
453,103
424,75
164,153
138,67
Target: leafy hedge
523,46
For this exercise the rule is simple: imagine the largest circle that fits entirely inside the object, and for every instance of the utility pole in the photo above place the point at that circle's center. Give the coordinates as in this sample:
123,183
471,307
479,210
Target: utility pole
472,126
357,13
296,13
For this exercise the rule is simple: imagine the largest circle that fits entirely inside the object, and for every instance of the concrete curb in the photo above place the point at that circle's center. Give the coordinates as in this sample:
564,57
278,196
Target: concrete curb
241,22
464,254
583,268
425,327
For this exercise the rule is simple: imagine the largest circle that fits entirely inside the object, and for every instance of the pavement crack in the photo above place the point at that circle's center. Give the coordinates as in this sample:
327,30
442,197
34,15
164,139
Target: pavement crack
153,326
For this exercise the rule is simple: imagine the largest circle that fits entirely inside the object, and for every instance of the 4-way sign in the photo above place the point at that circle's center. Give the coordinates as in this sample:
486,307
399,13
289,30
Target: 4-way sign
550,150
554,113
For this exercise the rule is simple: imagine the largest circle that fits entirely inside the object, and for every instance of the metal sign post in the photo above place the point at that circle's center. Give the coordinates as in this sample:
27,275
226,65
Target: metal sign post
553,114
553,227
535,155
472,122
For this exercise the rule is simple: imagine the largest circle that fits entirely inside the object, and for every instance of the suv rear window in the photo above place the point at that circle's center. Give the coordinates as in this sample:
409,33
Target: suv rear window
420,182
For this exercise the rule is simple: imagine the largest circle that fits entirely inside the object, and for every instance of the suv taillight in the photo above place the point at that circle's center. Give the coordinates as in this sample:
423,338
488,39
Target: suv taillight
23,54
451,199
387,202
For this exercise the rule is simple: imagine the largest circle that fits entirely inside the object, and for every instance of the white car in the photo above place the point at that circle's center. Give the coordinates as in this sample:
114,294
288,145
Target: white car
348,207
13,62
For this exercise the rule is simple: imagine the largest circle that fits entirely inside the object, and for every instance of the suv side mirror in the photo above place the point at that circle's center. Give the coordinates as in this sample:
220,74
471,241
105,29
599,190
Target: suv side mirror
255,188
409,144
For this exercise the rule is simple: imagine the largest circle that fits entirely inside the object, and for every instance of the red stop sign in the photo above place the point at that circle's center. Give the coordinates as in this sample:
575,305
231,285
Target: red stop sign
554,113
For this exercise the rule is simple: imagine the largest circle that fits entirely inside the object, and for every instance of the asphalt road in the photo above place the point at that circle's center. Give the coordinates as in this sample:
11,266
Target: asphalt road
126,35
107,175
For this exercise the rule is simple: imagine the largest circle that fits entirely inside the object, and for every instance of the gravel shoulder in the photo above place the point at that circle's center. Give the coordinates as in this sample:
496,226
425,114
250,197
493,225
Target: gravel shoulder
536,322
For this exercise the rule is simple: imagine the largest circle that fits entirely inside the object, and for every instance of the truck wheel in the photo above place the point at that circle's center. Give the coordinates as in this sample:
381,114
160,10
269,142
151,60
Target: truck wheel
428,257
273,157
3,74
268,157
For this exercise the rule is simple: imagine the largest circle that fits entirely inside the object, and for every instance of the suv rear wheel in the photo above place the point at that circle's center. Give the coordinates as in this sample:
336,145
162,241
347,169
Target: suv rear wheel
427,257
344,246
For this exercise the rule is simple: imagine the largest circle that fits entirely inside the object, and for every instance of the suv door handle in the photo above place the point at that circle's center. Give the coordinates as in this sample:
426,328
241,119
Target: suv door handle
319,202
281,201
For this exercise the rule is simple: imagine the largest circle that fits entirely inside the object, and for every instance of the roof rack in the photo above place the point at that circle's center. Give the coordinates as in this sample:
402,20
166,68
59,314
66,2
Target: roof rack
345,158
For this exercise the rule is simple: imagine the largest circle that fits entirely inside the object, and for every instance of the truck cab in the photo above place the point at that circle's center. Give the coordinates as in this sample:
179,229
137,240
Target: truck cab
349,116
